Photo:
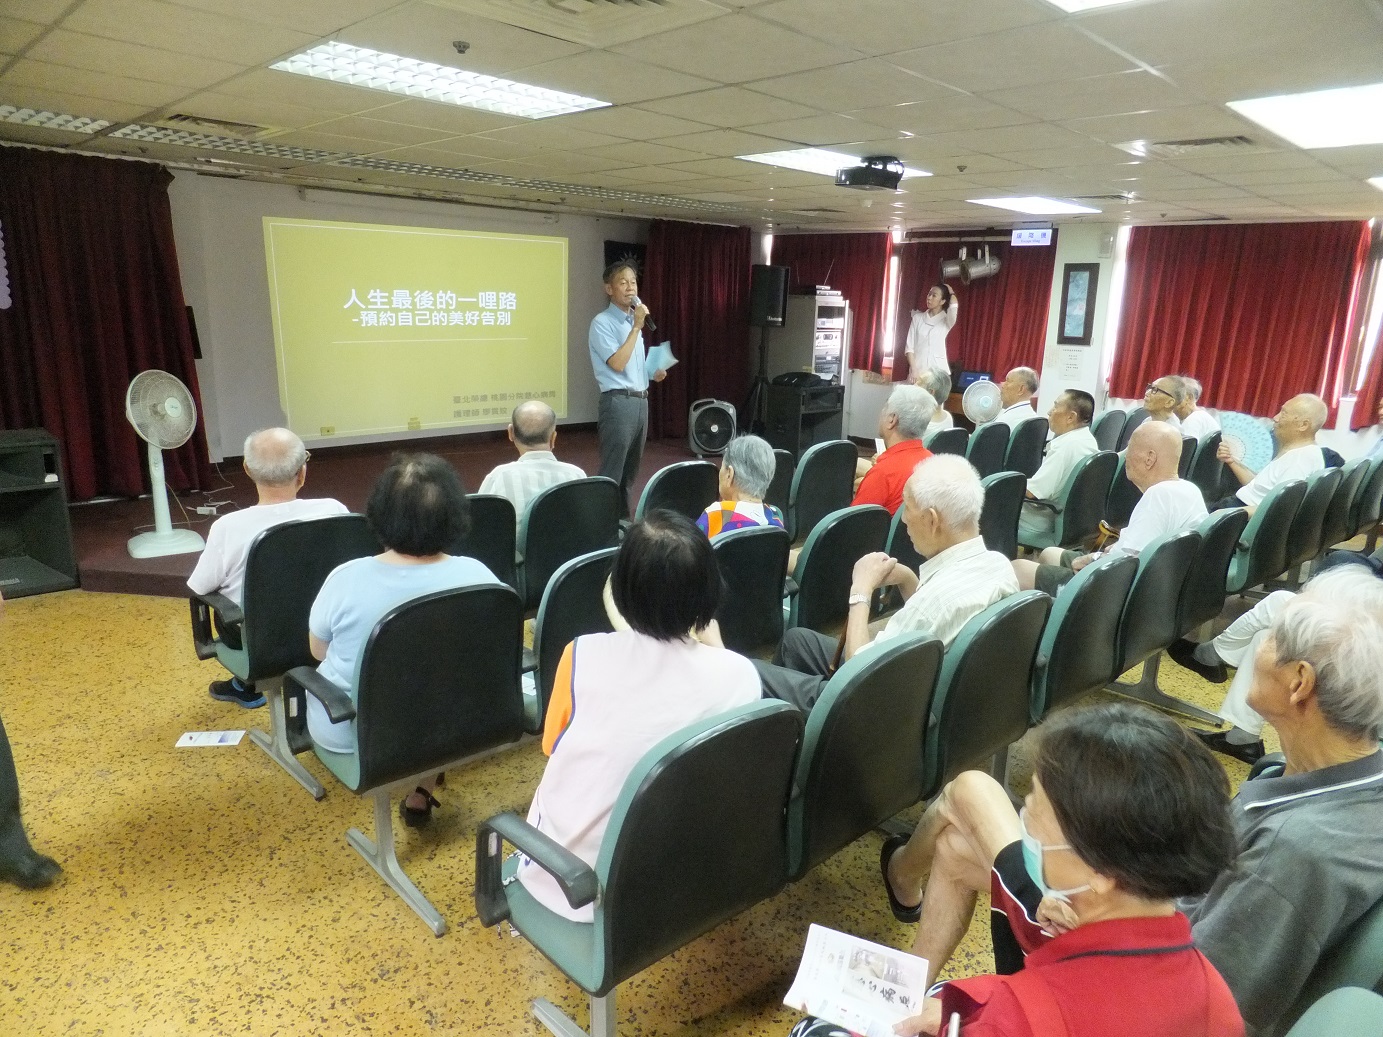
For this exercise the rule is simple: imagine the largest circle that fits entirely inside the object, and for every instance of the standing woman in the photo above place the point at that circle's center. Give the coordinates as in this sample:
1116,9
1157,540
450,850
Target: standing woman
926,346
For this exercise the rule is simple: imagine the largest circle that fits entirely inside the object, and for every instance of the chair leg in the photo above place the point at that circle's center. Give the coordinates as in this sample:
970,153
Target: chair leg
1146,690
382,858
560,1024
276,744
998,767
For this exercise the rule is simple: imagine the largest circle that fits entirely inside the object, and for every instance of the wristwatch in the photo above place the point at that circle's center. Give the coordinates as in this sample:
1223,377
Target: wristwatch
857,599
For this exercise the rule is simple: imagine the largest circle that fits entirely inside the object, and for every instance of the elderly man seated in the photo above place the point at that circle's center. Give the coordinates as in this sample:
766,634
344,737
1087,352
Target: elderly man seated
902,423
746,470
1016,393
1162,398
276,460
937,382
1195,422
1294,430
533,431
1169,504
1309,842
961,578
1069,420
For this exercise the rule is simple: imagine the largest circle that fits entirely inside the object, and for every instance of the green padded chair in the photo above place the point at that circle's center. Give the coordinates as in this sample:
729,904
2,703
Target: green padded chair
862,758
826,565
1207,468
1122,498
780,489
1262,550
686,487
426,698
697,836
948,441
1134,418
982,703
1338,526
1106,428
1346,1012
572,605
1026,445
1304,534
823,482
1080,505
562,522
1188,454
284,569
899,546
1079,645
1003,504
987,447
1365,514
1203,598
753,566
1355,961
493,536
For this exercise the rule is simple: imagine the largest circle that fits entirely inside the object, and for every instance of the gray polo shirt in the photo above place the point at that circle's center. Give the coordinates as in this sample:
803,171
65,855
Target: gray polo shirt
1310,864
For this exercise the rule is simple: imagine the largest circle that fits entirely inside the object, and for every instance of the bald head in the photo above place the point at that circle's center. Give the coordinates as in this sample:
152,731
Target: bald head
274,457
1297,423
1154,454
532,425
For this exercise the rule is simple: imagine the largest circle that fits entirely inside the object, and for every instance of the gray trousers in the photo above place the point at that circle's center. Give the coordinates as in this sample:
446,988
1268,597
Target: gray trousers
622,425
800,667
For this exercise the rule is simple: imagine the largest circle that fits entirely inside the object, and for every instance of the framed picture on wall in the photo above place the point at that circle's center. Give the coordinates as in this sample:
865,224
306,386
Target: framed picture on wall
1076,322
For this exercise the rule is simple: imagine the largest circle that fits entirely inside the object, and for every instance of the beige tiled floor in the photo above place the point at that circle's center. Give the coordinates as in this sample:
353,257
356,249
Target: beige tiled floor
206,893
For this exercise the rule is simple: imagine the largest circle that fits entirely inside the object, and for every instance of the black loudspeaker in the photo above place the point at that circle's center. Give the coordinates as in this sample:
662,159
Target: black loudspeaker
768,296
36,553
710,427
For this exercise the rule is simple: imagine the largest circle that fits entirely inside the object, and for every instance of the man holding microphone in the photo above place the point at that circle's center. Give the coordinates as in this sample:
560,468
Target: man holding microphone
618,360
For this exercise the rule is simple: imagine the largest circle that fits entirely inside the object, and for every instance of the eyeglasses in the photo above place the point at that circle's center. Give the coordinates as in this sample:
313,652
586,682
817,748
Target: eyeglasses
1154,387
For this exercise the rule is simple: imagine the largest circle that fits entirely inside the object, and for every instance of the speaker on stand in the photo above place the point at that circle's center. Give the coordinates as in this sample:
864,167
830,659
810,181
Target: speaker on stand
768,306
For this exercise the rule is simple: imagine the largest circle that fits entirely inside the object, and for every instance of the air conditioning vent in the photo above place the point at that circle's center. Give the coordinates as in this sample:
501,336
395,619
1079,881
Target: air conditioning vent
1126,197
1182,148
219,127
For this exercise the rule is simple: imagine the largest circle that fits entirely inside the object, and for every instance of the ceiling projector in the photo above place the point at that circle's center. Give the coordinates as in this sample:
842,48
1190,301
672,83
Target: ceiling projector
874,173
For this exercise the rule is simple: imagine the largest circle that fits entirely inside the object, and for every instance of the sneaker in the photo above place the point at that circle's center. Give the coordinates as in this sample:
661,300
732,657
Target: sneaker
227,691
1183,653
1218,741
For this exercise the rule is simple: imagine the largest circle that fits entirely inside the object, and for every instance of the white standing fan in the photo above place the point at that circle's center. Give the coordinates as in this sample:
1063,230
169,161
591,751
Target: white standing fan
161,410
981,402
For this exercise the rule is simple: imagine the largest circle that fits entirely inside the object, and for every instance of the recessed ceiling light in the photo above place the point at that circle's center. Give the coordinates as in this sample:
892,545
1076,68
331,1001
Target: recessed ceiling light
357,66
1076,6
1033,205
51,120
1337,118
1377,182
816,160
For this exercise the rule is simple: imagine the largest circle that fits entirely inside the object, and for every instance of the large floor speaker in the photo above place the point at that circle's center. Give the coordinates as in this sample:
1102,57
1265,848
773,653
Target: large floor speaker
710,427
36,552
768,296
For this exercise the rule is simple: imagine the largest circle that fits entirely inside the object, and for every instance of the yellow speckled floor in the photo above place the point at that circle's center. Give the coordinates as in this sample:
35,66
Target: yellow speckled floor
206,893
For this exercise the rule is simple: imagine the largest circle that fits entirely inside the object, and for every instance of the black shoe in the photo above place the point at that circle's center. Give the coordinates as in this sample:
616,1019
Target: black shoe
418,817
226,691
32,871
1218,741
901,911
1183,653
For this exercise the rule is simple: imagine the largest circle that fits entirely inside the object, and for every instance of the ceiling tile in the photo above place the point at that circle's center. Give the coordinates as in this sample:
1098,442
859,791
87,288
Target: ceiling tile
729,106
1174,124
269,86
610,77
214,105
16,34
43,76
1005,139
550,133
1314,173
632,123
1114,94
952,112
728,143
884,26
474,146
185,30
384,130
857,84
435,115
641,153
1056,158
435,155
825,130
315,17
70,104
17,133
95,54
46,12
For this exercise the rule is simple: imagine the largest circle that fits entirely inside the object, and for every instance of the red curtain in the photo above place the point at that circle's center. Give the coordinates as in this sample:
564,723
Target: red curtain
856,265
1256,312
696,286
1371,391
1003,319
96,299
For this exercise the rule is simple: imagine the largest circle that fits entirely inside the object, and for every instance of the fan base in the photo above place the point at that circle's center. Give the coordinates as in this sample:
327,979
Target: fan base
173,542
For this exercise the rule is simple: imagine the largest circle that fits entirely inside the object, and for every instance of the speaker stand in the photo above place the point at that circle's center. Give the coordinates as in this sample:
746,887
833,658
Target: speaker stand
756,406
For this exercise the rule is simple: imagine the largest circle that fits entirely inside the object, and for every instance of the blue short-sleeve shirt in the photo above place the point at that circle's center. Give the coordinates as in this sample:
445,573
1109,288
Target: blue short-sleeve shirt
609,328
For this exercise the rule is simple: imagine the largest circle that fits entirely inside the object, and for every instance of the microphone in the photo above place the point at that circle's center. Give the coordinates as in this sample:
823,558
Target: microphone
648,319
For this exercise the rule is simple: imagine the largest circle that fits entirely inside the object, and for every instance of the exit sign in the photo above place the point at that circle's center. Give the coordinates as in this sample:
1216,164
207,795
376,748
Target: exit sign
1032,236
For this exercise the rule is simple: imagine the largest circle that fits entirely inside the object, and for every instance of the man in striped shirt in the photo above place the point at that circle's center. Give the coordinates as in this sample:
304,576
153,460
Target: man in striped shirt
533,431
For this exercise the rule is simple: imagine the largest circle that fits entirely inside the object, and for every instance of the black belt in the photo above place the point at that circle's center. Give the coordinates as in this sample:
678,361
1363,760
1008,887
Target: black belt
638,394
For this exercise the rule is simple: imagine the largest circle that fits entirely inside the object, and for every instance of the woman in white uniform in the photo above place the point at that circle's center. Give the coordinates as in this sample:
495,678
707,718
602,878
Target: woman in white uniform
926,345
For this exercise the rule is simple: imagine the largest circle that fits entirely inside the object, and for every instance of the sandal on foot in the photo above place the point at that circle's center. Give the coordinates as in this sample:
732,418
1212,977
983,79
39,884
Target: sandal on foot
901,911
418,817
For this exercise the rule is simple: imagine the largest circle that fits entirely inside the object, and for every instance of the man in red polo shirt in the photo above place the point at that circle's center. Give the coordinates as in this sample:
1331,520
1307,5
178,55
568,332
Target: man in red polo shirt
901,424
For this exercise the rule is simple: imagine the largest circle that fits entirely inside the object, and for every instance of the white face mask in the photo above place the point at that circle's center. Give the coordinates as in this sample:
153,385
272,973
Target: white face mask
1032,860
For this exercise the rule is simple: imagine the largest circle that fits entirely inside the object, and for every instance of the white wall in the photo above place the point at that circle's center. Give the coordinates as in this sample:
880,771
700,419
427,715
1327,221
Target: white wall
1078,367
219,235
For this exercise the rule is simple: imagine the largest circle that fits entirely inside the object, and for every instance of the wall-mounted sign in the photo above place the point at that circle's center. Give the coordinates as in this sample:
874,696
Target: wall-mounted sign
1032,236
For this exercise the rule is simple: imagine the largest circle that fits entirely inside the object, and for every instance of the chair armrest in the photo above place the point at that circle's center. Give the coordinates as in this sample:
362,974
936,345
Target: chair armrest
790,587
338,704
1269,766
530,660
575,877
1048,505
228,613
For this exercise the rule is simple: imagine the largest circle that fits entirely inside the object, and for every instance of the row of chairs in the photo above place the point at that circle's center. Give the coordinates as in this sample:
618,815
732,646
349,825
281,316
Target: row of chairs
996,446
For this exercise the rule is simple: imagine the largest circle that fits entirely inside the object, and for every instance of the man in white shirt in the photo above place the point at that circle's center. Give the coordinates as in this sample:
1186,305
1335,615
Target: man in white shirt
961,578
1294,430
276,460
1017,392
1195,422
1168,505
533,431
1072,440
1162,398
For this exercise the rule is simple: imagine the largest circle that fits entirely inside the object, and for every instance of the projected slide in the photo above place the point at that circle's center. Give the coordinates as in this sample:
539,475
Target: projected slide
387,329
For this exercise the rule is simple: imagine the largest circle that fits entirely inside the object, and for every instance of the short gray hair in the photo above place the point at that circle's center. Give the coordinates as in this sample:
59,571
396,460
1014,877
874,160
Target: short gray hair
274,456
1336,625
1027,376
753,461
1315,411
950,484
936,380
534,422
1176,387
913,406
1190,387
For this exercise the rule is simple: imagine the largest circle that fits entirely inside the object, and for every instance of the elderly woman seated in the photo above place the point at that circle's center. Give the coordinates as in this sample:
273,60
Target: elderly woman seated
937,382
617,695
746,470
417,509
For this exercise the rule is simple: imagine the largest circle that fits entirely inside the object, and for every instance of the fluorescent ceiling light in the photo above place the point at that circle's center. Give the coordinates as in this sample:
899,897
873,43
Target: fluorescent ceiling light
342,63
1322,118
1034,205
817,160
1076,6
1377,182
51,120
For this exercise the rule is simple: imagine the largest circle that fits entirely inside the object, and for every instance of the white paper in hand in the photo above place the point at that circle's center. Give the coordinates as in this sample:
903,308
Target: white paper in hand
660,358
861,986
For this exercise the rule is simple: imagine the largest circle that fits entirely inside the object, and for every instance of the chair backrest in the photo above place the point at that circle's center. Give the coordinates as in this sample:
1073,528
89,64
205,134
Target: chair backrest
284,569
1107,426
952,440
861,759
1153,606
1336,527
1135,418
988,445
572,605
1188,454
753,564
439,681
1262,553
562,522
823,482
1025,447
493,535
827,561
780,489
1346,1010
1083,498
1304,535
899,544
1122,498
1370,500
1079,649
687,487
697,836
1003,503
1203,597
1206,468
1356,960
983,702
